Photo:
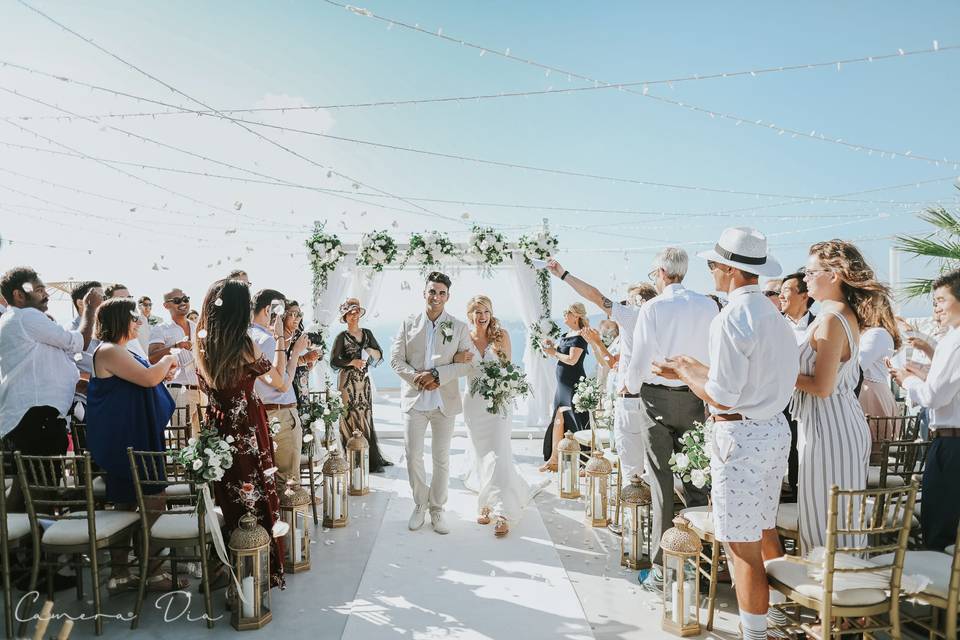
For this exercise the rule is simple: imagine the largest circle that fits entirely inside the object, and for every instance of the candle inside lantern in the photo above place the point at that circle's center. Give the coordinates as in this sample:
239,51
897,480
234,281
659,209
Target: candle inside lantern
337,501
355,478
597,511
246,587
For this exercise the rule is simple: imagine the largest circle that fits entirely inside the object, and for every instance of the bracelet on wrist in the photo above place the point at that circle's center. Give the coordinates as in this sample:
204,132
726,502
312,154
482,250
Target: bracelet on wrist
565,274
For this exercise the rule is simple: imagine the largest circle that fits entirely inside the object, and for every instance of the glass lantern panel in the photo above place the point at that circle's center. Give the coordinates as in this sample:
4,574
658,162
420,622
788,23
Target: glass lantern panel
265,580
301,545
328,498
247,588
339,497
568,473
690,591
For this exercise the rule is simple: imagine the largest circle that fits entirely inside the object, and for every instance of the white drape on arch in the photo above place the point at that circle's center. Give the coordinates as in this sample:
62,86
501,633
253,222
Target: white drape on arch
540,371
325,311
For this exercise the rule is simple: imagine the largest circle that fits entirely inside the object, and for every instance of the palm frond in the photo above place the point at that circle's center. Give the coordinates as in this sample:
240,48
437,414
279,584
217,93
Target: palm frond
930,247
917,288
942,219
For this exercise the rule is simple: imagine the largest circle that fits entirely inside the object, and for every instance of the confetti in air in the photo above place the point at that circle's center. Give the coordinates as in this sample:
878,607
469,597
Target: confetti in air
219,301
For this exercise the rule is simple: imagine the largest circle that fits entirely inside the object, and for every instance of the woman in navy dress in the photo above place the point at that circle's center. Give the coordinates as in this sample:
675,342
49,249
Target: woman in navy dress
570,353
127,406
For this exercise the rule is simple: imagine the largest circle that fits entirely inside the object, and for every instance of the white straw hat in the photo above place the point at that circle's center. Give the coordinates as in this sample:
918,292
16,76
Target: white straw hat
746,249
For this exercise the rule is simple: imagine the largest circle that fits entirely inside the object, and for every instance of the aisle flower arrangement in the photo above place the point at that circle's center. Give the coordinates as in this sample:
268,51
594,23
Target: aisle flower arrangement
427,249
544,329
587,395
206,457
326,252
377,250
692,463
539,246
320,412
500,383
489,247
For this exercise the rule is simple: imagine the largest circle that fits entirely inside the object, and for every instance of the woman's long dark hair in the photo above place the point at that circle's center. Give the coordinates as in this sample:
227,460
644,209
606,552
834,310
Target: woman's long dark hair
225,348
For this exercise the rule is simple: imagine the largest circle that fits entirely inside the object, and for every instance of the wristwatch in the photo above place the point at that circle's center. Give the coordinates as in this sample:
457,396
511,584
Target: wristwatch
435,374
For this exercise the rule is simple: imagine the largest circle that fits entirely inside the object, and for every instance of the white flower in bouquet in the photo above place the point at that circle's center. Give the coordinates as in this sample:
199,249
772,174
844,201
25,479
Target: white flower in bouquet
698,478
682,461
197,464
229,439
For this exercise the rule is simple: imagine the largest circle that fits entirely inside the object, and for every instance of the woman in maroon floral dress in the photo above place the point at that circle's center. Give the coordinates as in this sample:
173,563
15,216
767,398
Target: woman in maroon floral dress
228,363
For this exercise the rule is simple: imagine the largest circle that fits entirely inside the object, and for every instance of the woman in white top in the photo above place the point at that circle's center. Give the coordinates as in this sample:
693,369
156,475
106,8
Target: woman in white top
877,343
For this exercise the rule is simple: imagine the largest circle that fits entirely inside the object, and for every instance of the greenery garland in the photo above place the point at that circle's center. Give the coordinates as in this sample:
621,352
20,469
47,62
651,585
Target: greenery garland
489,247
326,252
539,246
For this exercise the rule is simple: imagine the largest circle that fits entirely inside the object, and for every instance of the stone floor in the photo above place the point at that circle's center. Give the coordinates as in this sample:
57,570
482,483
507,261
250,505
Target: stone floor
552,577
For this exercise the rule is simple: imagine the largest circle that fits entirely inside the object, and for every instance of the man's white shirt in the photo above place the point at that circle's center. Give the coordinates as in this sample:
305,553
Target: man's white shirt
169,334
754,358
625,315
675,323
429,400
940,393
37,368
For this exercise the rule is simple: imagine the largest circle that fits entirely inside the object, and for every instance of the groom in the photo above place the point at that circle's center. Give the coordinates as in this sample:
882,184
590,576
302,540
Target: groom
423,355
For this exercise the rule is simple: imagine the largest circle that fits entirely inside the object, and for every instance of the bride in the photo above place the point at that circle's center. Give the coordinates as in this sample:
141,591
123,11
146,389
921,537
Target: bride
502,492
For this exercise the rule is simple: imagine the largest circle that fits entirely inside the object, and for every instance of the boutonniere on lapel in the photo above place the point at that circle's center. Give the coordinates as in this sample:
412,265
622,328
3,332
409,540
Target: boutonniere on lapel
446,330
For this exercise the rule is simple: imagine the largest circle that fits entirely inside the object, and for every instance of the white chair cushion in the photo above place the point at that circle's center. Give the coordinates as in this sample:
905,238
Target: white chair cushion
178,526
584,438
177,490
873,479
18,526
794,575
930,564
952,549
788,516
73,530
700,518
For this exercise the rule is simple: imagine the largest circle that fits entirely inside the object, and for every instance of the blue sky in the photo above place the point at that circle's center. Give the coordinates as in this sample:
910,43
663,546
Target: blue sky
241,55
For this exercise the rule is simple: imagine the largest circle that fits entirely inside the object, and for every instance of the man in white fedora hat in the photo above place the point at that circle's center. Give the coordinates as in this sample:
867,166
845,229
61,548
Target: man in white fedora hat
754,362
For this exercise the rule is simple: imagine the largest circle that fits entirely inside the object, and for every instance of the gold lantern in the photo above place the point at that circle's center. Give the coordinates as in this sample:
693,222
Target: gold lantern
250,554
598,488
681,587
294,504
358,456
569,469
335,490
635,537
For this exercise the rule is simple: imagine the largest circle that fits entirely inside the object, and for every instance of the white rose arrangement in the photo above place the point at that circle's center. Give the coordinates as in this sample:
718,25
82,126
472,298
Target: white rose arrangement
539,246
207,457
377,250
320,413
587,395
488,247
326,252
427,249
541,330
500,384
692,464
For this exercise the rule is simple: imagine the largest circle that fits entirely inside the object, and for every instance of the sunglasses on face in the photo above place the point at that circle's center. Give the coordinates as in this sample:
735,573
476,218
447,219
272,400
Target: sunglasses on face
293,314
772,294
180,300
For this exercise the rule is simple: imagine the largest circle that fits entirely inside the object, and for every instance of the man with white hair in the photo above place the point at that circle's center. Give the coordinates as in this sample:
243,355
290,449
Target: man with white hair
676,321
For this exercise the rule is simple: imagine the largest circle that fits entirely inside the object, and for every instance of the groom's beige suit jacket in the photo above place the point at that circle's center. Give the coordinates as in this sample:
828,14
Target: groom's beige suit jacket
407,357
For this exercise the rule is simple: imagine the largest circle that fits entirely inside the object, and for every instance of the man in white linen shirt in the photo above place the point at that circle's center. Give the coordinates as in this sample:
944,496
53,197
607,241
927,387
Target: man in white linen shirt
938,390
676,321
38,373
628,428
277,394
180,334
754,362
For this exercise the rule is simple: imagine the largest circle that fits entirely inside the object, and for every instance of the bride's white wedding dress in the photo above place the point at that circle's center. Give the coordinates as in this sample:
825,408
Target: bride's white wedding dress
491,472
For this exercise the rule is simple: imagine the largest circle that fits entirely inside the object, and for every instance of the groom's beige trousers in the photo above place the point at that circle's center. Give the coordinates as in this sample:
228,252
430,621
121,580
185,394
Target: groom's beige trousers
433,495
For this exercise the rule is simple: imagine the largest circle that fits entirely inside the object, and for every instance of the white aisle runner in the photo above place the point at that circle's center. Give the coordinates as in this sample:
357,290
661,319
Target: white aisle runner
467,584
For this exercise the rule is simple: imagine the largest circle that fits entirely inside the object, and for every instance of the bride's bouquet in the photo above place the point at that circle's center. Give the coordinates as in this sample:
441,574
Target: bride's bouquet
500,383
207,456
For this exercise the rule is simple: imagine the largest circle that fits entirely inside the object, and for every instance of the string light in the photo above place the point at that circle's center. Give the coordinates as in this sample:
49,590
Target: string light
267,139
644,92
503,94
448,156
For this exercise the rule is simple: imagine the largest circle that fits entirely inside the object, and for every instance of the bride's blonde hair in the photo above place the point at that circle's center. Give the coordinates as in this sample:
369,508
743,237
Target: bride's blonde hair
494,330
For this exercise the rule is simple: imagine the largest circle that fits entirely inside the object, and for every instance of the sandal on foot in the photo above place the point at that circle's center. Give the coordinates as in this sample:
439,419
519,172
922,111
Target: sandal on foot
165,582
121,584
549,466
501,528
484,517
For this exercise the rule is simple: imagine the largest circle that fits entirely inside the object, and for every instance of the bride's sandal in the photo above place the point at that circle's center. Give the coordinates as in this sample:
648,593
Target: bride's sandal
501,528
164,582
120,584
548,466
484,517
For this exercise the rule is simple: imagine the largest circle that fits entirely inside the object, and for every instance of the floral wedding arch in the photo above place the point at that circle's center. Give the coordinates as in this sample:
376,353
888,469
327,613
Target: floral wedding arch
341,269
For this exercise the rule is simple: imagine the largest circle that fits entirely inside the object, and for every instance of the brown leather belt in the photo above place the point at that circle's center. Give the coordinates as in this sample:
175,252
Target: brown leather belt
727,417
274,407
946,432
177,385
629,395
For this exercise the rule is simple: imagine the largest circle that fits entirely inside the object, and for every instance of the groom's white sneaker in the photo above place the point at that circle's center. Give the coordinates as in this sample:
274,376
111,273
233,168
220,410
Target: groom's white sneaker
438,522
417,518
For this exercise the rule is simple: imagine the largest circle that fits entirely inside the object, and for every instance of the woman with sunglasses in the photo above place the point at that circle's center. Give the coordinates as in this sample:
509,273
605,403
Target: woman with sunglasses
353,351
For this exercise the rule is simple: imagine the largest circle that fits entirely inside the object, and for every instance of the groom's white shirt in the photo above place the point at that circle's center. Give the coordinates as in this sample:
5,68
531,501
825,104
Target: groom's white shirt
420,346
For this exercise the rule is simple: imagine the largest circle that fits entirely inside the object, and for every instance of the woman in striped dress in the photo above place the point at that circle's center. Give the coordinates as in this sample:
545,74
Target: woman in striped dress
833,438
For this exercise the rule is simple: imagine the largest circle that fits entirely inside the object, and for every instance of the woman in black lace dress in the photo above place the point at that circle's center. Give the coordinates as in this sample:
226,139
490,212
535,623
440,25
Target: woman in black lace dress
353,351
